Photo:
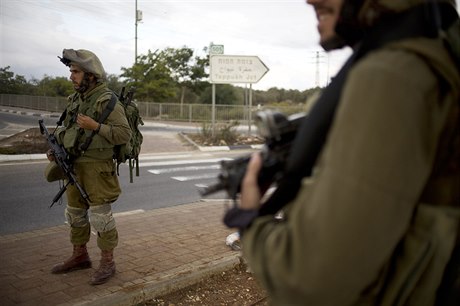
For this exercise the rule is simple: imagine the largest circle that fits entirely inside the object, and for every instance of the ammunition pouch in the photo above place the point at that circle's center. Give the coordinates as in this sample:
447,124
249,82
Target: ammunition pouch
70,140
53,172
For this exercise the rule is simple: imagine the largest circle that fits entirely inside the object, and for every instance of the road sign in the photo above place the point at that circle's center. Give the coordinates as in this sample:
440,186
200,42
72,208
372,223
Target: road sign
216,49
228,69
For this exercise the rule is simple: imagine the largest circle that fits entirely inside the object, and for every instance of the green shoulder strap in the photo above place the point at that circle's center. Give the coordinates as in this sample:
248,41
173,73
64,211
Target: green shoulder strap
105,114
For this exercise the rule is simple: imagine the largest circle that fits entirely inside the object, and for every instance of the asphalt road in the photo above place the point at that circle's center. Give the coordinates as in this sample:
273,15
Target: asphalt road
166,179
169,180
11,124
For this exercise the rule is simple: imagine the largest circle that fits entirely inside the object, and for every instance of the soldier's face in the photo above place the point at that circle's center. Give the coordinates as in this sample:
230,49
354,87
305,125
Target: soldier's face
76,76
327,13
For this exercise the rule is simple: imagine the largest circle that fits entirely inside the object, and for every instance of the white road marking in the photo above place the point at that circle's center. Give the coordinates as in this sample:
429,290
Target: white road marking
193,177
154,157
191,168
182,162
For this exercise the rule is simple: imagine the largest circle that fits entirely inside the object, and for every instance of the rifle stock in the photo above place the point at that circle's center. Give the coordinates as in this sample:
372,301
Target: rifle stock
63,161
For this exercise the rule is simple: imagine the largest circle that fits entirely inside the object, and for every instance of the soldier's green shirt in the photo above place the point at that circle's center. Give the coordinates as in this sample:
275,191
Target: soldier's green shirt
375,169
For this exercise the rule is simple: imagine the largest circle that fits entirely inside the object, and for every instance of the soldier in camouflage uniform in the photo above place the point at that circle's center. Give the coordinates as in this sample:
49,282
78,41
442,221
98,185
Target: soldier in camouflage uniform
95,168
377,221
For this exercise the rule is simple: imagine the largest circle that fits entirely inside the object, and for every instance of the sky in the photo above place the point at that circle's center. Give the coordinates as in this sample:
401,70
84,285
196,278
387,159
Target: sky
282,33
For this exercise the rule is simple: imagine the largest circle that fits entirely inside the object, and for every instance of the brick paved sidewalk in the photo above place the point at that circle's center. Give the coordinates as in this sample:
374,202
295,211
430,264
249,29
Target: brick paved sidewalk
158,250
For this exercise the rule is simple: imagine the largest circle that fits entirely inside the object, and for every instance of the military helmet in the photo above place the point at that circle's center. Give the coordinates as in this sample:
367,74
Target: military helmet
371,10
358,15
86,60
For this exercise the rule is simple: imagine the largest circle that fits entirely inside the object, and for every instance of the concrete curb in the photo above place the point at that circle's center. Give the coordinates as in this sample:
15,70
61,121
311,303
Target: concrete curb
137,294
30,113
21,157
219,148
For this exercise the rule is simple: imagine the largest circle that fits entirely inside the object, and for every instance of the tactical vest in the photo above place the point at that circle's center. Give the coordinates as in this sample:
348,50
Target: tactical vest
72,136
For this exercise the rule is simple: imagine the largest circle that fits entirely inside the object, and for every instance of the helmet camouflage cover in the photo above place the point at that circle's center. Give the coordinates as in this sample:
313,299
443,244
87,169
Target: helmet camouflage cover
371,9
85,59
358,15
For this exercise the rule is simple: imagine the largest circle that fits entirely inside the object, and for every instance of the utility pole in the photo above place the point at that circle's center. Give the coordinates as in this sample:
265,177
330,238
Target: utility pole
137,17
317,59
317,69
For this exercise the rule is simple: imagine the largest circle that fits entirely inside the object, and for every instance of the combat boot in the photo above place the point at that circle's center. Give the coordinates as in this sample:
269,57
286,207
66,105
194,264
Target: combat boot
106,268
78,261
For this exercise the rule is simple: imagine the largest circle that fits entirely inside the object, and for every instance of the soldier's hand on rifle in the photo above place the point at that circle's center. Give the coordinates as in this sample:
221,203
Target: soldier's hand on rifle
87,123
251,194
50,155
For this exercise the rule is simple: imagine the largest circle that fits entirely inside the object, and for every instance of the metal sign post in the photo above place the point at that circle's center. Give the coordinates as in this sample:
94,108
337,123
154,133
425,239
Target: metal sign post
249,110
213,110
213,50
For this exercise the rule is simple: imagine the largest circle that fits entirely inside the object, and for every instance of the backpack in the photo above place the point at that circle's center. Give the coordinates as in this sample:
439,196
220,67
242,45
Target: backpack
131,150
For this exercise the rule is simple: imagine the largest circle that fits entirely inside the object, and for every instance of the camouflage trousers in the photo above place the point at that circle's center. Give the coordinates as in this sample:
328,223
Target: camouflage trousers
99,180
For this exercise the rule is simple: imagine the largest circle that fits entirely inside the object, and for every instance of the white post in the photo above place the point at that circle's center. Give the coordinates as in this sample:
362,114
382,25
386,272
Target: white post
250,110
213,116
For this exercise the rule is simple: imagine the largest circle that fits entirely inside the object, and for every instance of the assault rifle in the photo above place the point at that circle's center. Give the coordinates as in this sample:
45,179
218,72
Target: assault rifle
126,99
63,161
279,132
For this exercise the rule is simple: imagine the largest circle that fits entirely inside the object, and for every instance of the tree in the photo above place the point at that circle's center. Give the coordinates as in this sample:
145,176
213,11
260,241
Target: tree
177,60
52,87
225,94
11,83
164,75
151,77
114,83
186,70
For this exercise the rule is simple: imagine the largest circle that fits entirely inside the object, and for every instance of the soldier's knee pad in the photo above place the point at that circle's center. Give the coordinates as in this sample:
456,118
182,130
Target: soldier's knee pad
101,218
76,217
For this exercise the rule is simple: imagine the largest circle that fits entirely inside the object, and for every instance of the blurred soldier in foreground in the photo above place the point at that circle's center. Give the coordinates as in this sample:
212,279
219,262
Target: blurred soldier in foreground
376,221
93,164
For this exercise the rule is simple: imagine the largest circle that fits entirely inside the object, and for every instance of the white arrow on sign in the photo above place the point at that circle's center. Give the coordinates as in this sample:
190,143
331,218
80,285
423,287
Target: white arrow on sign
228,69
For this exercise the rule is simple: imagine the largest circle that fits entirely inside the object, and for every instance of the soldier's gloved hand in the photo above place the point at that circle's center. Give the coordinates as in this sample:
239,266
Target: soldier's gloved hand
50,155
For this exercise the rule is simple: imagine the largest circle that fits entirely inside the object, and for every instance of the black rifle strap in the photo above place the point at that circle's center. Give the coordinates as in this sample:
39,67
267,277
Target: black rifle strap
62,117
105,114
308,142
314,129
64,113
